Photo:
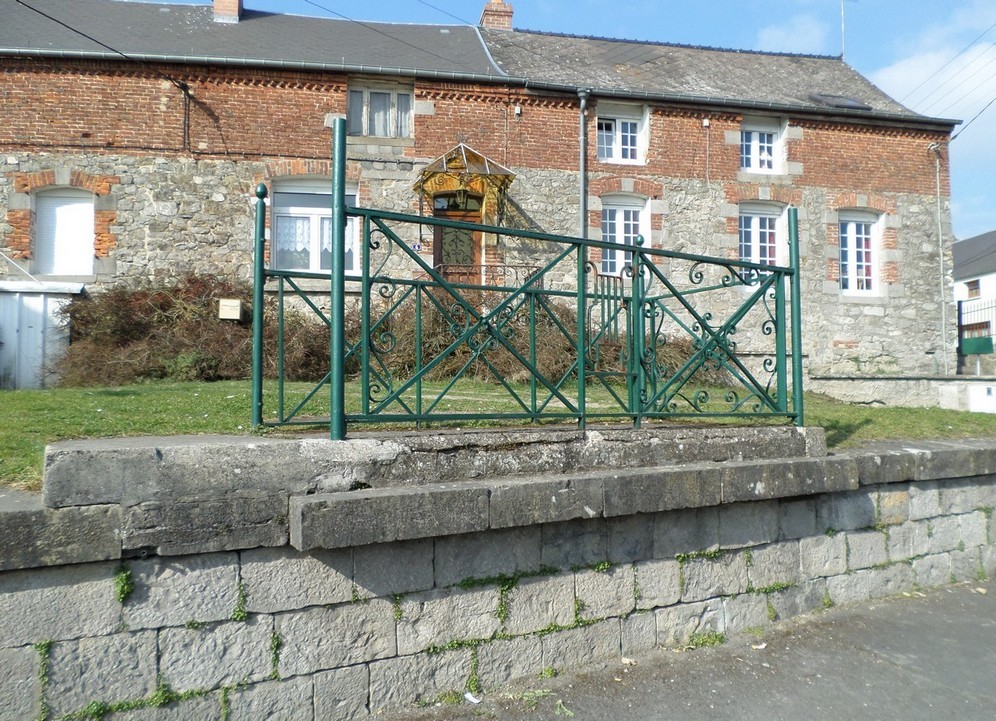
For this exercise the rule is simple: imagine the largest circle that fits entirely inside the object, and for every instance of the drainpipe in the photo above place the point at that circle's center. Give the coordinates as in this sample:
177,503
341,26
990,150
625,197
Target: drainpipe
935,148
583,165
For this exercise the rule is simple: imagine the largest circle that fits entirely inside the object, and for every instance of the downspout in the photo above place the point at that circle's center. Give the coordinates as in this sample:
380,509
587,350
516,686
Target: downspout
583,165
936,149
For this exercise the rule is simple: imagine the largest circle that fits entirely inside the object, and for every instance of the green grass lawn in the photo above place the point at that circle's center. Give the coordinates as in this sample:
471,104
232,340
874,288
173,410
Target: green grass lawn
34,418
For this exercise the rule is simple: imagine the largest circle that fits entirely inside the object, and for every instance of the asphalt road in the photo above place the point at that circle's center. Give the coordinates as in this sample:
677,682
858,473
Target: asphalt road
925,656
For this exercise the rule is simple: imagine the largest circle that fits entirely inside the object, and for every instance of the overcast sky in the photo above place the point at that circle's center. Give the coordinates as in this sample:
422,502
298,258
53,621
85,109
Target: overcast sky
938,58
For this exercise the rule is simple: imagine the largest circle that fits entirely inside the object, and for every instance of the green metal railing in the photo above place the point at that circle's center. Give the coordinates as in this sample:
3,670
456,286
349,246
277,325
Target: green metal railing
673,335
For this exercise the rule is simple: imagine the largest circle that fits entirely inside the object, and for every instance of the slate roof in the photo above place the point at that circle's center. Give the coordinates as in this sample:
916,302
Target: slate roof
614,68
686,72
188,33
975,257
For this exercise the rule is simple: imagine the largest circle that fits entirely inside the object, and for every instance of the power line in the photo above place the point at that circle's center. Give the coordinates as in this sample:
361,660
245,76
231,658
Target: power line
934,74
448,14
965,126
956,103
182,86
377,30
960,85
948,87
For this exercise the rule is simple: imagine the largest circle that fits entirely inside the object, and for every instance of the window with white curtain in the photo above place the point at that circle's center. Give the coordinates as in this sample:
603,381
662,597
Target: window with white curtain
301,232
63,237
381,112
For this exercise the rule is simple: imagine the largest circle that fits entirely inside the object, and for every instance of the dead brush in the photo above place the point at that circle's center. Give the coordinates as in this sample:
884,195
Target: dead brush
130,335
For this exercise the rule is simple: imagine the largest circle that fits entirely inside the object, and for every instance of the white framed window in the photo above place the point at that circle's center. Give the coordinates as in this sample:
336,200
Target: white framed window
63,240
623,220
761,147
857,233
762,234
301,230
382,112
621,133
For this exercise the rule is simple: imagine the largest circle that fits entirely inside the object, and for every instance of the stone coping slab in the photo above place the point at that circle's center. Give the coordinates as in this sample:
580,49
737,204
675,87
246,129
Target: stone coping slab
339,520
197,495
131,471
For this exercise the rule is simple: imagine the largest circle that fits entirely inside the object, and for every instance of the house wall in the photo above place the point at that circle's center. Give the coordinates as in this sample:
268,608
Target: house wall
156,584
987,287
175,177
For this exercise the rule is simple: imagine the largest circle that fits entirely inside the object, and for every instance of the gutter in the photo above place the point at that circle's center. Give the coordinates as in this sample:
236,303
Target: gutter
919,122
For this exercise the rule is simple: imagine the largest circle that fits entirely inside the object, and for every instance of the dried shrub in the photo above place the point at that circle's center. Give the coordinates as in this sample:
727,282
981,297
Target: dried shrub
130,335
405,343
675,351
124,336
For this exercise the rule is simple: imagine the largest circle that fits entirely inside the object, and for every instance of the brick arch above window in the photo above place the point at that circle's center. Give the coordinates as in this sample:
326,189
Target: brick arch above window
282,170
49,178
22,206
737,193
298,166
623,186
858,201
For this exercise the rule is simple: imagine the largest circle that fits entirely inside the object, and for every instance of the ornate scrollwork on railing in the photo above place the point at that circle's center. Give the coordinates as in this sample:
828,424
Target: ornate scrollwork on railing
491,275
736,403
383,342
661,337
386,288
374,243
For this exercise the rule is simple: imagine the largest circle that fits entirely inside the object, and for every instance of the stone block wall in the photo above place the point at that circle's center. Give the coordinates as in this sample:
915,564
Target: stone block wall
351,630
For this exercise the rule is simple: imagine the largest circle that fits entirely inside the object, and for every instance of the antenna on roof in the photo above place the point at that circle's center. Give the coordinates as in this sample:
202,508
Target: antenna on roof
841,29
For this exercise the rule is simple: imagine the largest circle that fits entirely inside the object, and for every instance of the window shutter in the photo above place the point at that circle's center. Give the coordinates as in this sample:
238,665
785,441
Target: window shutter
64,233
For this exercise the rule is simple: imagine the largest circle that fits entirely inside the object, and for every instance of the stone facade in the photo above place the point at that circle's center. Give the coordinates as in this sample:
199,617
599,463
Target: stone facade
179,170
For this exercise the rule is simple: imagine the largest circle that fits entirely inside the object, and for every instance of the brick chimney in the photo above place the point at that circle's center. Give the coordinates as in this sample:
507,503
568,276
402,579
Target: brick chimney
497,15
227,11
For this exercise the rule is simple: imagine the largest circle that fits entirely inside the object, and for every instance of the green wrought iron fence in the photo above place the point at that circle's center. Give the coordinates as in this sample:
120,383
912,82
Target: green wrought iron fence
561,331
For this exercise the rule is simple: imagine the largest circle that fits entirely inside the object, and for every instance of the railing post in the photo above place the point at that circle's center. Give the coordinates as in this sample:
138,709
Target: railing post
781,351
337,293
961,323
637,335
581,327
796,303
364,344
259,279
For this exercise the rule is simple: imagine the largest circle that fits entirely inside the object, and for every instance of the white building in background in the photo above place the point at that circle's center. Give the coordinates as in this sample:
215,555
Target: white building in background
975,267
975,293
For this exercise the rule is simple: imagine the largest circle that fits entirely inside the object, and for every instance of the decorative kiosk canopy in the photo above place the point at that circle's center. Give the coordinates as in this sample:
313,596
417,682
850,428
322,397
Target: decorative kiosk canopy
463,171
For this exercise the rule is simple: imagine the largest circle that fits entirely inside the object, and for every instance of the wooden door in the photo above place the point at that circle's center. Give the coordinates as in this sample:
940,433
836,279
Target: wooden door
456,252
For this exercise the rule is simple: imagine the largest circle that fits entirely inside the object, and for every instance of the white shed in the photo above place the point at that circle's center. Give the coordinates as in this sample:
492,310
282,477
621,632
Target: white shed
32,336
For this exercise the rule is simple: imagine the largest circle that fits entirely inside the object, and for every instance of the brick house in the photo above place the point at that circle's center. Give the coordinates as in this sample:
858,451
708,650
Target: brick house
135,156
